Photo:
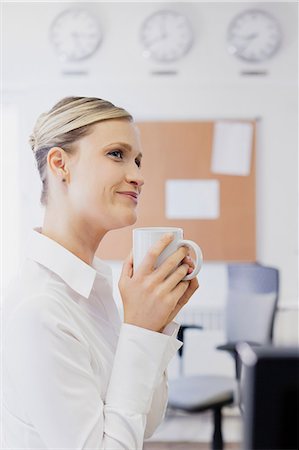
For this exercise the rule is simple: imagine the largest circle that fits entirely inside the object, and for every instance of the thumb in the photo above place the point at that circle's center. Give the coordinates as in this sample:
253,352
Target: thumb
127,269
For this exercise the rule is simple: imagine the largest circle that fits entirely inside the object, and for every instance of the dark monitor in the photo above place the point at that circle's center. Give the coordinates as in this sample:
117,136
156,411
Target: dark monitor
270,397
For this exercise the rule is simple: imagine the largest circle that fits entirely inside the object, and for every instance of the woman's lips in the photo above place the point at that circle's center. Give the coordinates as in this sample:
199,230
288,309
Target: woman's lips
132,195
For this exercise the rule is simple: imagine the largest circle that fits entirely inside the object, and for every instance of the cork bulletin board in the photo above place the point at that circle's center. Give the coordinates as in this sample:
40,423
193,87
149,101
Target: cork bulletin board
183,150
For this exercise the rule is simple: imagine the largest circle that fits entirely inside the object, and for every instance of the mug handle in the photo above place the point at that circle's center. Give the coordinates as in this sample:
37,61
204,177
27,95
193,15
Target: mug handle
198,254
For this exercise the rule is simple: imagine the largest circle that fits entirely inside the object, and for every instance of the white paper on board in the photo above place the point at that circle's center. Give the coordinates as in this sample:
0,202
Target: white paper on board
192,199
232,148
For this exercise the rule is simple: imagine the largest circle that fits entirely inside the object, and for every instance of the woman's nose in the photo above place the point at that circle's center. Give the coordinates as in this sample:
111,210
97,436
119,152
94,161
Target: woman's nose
135,178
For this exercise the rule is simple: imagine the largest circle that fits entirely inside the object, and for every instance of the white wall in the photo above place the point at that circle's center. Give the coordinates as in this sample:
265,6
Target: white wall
208,85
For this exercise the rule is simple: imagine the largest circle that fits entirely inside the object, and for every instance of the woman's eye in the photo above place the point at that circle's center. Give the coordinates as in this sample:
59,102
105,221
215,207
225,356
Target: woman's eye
117,154
120,154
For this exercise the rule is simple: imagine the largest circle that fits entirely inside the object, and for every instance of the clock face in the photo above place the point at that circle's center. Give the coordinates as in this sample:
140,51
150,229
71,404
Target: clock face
166,35
75,34
254,36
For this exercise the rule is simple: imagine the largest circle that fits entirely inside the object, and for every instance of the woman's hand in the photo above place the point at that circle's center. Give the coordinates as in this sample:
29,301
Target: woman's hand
152,297
193,285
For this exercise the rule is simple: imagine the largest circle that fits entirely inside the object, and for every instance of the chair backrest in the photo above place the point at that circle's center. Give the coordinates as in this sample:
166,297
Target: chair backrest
270,391
251,302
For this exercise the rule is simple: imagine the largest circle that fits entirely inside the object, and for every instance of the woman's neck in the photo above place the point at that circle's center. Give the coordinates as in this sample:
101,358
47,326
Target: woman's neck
76,236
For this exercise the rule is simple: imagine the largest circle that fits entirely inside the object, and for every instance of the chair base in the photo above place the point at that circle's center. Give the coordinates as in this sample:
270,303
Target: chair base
217,441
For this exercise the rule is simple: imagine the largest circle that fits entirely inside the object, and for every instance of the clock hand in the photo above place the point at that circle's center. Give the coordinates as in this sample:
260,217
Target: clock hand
247,40
161,37
251,36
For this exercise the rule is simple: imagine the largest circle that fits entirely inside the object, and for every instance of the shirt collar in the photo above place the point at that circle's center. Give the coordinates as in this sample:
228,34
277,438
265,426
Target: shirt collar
73,270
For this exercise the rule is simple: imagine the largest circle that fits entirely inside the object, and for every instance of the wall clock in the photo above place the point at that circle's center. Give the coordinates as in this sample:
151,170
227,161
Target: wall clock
75,34
166,35
254,36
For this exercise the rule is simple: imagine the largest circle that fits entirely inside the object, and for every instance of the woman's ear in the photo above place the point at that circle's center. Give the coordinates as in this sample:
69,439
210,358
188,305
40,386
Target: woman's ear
57,163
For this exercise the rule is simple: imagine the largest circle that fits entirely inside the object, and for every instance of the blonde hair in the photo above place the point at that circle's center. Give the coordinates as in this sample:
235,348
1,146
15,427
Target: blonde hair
69,120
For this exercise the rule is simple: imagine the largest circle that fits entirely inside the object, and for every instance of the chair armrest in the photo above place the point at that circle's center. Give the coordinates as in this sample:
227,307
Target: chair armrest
231,347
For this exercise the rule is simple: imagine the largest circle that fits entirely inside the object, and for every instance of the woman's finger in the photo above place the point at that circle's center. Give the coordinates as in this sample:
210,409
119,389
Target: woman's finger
127,268
188,260
174,279
193,285
178,292
171,263
149,262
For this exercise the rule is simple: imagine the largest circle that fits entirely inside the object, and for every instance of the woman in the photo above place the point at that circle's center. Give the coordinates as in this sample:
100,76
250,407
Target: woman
76,377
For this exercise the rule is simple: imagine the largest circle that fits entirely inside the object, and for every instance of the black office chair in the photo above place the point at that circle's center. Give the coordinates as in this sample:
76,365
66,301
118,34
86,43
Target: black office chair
250,309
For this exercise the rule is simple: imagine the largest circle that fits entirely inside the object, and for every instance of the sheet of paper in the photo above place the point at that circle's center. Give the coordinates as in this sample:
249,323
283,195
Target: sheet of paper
232,148
192,199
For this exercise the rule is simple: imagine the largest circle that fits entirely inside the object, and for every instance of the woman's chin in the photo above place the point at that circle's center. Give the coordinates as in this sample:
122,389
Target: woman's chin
130,220
126,221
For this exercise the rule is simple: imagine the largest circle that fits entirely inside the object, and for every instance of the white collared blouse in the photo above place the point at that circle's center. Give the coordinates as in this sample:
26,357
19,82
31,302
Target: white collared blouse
74,375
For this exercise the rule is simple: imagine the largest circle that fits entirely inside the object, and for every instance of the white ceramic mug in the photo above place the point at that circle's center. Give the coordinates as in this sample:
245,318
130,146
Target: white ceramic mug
145,238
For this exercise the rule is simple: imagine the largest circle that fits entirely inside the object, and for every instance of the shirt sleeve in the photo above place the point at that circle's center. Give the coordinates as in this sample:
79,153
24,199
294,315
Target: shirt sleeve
49,362
160,395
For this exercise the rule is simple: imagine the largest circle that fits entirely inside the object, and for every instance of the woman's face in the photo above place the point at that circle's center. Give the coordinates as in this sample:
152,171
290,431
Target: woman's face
105,175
